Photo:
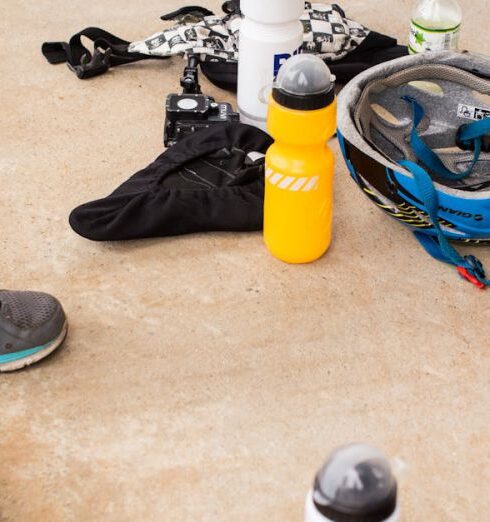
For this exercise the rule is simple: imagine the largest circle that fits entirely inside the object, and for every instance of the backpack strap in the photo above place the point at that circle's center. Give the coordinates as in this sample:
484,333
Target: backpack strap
109,51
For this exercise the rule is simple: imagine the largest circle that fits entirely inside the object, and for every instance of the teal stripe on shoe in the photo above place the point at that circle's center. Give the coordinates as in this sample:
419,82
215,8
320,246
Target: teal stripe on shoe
10,357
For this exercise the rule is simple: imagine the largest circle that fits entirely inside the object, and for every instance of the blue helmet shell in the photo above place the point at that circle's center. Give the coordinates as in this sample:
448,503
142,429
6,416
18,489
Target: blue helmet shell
395,192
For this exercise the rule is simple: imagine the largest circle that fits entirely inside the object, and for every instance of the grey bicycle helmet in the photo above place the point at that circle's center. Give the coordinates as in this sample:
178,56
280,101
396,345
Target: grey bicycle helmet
415,134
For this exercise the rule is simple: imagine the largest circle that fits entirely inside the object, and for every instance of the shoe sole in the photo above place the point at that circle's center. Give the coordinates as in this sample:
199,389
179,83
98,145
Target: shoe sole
35,354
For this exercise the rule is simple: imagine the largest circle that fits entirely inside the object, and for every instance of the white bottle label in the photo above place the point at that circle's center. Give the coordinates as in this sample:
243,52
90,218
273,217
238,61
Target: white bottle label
423,39
263,50
281,58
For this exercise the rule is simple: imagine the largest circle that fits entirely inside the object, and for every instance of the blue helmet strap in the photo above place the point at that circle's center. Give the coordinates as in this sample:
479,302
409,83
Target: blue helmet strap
438,246
469,134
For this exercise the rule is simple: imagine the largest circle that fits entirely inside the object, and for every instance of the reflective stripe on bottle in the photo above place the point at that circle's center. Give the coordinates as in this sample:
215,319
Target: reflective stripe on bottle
292,183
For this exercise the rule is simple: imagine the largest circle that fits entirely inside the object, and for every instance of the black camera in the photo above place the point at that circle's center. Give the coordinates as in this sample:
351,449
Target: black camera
192,111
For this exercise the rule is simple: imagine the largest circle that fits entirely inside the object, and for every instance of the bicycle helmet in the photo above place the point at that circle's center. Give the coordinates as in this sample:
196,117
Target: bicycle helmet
415,134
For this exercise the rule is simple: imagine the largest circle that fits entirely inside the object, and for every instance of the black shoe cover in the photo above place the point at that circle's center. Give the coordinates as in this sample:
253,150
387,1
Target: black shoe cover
212,180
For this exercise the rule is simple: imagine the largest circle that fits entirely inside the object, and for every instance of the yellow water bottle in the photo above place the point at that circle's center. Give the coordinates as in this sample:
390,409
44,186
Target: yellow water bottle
298,202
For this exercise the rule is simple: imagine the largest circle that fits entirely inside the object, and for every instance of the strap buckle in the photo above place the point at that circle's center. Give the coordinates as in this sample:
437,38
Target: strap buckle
463,272
474,273
91,66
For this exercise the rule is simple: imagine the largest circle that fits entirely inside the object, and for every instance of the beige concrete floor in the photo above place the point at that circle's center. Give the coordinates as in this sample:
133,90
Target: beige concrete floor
203,380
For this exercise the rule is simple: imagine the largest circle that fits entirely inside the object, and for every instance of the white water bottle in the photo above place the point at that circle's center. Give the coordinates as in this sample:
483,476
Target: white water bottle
355,484
435,26
270,33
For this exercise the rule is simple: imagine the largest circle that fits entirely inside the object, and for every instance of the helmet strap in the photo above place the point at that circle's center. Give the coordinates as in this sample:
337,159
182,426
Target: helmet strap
470,135
438,246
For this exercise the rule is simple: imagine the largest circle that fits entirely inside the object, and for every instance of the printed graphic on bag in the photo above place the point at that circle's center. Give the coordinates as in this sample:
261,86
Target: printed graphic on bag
318,15
307,26
190,35
338,29
326,32
154,43
322,41
358,32
175,40
213,43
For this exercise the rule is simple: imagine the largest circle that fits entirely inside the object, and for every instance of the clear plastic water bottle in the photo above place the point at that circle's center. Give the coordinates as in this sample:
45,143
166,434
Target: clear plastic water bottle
435,26
356,484
270,33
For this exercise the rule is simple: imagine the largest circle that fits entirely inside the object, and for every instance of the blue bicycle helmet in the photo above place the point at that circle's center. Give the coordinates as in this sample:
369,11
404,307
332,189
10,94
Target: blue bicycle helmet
415,134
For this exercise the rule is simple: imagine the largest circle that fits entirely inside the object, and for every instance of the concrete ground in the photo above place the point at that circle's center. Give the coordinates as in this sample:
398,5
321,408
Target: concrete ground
203,380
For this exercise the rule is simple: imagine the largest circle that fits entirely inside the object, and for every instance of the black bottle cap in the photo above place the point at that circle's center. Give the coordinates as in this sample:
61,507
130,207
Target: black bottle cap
301,102
356,484
383,511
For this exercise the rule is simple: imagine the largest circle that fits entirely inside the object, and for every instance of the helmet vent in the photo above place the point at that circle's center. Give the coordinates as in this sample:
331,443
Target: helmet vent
484,98
428,87
385,114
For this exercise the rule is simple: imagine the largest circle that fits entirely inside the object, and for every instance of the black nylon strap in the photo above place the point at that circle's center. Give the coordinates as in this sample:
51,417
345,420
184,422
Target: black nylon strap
187,11
109,51
231,6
